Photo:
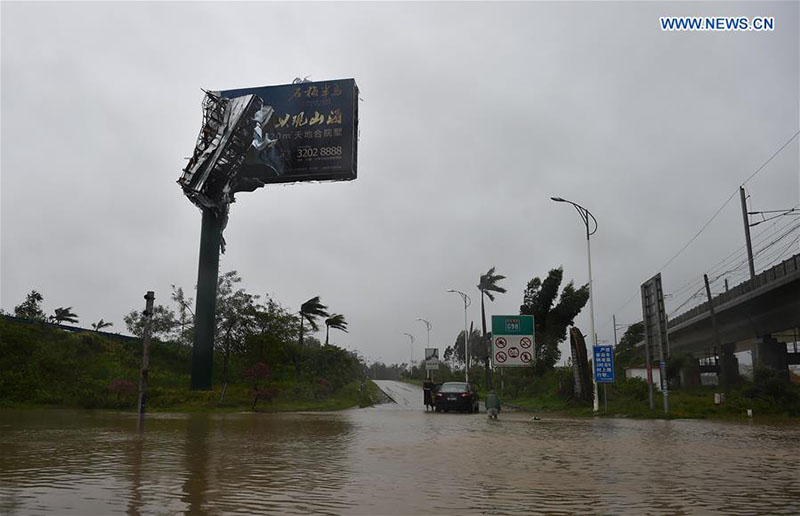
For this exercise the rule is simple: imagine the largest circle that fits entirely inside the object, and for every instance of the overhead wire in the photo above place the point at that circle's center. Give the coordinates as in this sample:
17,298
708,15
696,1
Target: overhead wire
714,216
713,271
758,255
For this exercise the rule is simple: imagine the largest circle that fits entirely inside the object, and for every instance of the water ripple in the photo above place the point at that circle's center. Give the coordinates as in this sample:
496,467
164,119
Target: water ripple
378,461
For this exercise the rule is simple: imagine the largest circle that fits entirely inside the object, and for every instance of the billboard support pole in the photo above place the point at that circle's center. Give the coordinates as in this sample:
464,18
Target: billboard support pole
207,274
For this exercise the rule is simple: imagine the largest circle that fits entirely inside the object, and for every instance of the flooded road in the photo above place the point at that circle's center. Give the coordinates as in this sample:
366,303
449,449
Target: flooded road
391,460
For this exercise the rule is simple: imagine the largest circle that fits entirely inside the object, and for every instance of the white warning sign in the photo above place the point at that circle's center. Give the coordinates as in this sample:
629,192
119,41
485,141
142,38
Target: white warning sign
512,340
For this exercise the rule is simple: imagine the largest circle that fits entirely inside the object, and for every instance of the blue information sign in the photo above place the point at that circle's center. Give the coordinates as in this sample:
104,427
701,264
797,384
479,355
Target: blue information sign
604,364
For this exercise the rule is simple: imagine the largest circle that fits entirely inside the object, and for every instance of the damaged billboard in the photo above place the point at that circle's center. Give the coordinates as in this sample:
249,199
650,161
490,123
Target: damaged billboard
314,128
306,131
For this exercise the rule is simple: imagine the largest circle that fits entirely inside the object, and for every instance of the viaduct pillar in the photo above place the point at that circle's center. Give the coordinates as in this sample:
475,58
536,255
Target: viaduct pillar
728,366
690,372
768,353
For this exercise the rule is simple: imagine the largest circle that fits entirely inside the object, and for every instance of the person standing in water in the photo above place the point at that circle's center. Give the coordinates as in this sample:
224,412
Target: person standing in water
427,393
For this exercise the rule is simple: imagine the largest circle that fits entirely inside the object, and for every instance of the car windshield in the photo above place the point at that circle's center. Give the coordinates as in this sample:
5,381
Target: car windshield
454,387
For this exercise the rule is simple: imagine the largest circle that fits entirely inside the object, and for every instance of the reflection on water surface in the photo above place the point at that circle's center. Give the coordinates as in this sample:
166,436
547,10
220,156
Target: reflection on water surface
383,461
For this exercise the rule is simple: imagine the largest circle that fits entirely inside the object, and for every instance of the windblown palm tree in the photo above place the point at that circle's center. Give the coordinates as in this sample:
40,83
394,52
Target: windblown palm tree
337,322
99,325
309,311
488,285
64,314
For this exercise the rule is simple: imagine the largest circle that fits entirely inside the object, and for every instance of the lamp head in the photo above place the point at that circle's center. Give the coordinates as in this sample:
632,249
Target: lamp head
557,199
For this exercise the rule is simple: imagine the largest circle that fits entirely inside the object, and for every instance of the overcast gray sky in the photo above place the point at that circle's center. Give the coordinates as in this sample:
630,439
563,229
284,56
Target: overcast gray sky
473,116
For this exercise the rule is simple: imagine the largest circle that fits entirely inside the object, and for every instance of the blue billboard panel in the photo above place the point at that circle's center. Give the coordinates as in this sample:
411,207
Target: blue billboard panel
603,364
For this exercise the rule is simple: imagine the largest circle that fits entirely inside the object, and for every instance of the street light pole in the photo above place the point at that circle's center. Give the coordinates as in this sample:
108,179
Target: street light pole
585,216
411,364
467,302
428,326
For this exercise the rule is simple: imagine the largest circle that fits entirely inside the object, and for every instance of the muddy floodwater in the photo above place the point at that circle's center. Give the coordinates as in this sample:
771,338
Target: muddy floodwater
391,459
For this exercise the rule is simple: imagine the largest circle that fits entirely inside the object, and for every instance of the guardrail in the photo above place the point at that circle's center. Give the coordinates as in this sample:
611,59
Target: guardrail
76,329
788,267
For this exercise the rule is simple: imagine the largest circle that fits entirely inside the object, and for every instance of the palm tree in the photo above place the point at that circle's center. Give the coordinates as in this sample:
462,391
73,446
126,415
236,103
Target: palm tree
309,311
337,322
99,325
64,314
488,285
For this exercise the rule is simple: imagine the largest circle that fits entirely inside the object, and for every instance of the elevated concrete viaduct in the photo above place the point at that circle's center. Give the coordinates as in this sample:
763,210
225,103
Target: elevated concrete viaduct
761,314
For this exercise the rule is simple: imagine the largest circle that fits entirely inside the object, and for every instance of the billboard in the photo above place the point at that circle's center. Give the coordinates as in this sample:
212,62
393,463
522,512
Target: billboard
227,136
314,127
655,325
512,340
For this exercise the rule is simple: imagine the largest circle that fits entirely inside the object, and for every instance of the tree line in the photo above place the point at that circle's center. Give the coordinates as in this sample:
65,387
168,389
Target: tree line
257,341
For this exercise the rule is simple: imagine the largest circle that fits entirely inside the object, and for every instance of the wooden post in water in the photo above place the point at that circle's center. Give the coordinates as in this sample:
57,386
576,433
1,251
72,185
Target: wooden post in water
148,327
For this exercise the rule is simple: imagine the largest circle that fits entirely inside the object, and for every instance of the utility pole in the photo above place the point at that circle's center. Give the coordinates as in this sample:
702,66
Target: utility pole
723,361
148,328
713,314
747,233
605,393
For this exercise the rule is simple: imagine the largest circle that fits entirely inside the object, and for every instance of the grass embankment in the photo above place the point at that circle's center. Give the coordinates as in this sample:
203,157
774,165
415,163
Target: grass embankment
289,399
769,396
767,399
45,366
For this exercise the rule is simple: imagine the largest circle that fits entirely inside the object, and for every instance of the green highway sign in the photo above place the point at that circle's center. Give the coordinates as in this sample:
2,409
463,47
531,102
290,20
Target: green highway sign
512,340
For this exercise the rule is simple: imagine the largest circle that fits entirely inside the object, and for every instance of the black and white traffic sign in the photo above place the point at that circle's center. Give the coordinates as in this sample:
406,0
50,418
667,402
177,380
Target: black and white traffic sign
512,340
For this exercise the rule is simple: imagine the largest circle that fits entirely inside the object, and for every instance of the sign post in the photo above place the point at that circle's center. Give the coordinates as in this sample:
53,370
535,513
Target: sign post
512,340
431,359
655,332
603,361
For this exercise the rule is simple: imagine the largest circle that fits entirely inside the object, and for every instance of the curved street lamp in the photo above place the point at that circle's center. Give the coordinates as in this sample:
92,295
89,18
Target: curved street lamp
411,364
467,302
585,216
428,326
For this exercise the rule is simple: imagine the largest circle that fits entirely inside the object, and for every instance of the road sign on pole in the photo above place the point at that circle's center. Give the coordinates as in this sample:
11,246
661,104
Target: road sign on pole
431,359
603,364
512,340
